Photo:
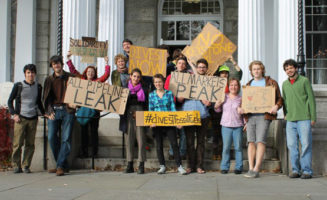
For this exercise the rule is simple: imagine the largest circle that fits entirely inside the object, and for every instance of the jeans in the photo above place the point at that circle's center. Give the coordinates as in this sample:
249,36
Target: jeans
61,151
232,134
182,143
301,130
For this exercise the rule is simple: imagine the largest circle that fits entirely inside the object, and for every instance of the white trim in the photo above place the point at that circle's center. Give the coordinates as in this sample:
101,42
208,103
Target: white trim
5,24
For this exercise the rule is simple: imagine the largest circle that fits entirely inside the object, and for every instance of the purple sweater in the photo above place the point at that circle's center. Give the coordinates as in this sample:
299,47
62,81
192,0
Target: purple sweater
230,117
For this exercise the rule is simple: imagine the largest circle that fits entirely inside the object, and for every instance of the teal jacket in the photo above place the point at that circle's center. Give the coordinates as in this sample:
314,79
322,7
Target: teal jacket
299,100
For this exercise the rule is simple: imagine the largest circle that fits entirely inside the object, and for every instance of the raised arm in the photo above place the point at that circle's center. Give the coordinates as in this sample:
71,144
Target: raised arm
106,74
71,66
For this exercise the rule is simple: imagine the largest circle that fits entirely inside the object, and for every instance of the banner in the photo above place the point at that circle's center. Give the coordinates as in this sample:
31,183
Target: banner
182,118
97,95
88,48
212,45
149,60
258,99
194,86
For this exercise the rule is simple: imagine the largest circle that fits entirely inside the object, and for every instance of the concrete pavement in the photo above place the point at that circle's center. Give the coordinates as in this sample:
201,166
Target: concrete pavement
82,185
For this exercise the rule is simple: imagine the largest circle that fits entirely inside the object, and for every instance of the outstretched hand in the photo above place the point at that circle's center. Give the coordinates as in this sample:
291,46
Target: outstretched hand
69,54
106,59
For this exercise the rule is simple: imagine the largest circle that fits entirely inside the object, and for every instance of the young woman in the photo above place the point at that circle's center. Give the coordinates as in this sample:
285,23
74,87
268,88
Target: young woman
163,100
136,102
232,126
90,73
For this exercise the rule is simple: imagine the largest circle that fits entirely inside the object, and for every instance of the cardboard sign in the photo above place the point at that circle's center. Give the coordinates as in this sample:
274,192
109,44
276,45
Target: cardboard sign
212,45
183,118
258,99
194,86
149,60
88,48
5,90
97,95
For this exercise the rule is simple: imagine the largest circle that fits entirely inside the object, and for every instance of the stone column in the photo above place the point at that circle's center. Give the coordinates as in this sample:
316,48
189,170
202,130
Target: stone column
5,24
79,19
25,36
111,28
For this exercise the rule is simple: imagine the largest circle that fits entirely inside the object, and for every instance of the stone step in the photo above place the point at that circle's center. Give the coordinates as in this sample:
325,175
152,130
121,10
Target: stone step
152,164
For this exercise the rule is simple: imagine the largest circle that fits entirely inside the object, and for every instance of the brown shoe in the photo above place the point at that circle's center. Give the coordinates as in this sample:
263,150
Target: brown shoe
52,170
60,172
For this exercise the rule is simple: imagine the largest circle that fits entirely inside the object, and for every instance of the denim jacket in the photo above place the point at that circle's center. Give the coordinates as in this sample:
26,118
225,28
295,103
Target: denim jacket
191,104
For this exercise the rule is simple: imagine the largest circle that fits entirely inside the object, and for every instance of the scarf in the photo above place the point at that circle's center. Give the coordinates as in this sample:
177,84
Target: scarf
137,90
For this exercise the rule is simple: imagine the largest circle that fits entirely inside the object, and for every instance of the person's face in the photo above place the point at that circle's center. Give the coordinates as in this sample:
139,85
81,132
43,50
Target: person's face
135,78
223,74
90,73
126,46
57,67
201,69
233,87
121,63
181,65
257,71
158,83
291,71
29,76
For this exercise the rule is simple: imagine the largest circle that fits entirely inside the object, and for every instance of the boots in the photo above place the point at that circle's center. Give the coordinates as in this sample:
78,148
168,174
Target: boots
129,168
141,168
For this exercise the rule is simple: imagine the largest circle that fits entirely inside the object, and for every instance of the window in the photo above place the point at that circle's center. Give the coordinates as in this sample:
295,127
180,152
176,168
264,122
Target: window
180,21
316,40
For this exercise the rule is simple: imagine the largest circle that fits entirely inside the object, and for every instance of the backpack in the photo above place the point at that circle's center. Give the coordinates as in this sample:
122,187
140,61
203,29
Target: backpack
84,115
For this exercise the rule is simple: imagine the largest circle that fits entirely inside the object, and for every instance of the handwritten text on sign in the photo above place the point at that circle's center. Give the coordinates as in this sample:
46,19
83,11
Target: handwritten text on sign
194,86
258,99
97,95
88,48
149,60
183,118
212,45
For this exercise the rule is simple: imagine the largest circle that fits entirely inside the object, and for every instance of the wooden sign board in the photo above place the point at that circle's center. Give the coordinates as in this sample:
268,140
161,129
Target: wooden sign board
88,48
97,95
212,45
182,118
150,61
200,87
258,99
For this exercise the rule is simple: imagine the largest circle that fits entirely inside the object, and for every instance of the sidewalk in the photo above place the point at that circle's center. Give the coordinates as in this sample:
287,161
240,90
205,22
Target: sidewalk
82,185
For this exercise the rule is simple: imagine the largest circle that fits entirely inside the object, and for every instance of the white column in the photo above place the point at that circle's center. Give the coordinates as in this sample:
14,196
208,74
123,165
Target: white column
25,36
111,28
251,37
79,19
288,34
5,24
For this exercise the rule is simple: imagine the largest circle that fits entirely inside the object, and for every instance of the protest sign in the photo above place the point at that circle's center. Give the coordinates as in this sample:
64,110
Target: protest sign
212,45
88,48
149,60
182,118
194,86
97,95
258,99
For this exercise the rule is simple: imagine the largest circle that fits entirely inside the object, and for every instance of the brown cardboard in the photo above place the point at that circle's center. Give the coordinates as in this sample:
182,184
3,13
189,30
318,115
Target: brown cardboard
150,61
97,95
182,118
194,86
212,45
258,99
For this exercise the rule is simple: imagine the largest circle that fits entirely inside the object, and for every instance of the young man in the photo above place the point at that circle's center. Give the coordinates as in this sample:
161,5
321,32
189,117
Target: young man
126,47
27,96
54,91
258,124
300,113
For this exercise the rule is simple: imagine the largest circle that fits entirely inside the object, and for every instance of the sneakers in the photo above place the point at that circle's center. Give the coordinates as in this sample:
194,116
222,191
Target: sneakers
295,175
252,174
306,176
17,170
237,171
224,171
27,170
60,172
162,169
181,170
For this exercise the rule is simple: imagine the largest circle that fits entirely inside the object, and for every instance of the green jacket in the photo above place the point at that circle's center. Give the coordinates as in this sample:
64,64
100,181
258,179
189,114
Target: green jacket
299,100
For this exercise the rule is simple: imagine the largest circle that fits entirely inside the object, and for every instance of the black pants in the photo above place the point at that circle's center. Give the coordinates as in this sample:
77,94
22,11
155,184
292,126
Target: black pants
160,133
216,127
93,125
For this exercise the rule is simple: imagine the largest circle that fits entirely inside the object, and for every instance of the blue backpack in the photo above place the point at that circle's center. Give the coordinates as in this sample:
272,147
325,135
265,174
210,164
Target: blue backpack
84,115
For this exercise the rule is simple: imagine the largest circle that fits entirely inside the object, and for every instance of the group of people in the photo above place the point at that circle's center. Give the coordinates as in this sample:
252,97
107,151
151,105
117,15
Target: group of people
227,118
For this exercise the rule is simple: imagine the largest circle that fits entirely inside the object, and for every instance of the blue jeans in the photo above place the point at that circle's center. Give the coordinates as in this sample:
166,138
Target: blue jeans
61,151
301,130
230,134
182,143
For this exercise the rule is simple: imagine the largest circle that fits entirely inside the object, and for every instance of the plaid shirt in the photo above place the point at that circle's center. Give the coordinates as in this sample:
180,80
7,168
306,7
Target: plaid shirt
166,103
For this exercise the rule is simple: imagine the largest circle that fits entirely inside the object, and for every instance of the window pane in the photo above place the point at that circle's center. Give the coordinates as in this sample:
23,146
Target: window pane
196,27
168,30
320,75
308,23
308,10
319,45
320,23
309,74
308,42
308,2
183,30
191,8
319,2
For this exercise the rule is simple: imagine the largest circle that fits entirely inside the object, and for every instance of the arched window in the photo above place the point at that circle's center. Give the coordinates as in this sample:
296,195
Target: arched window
180,21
